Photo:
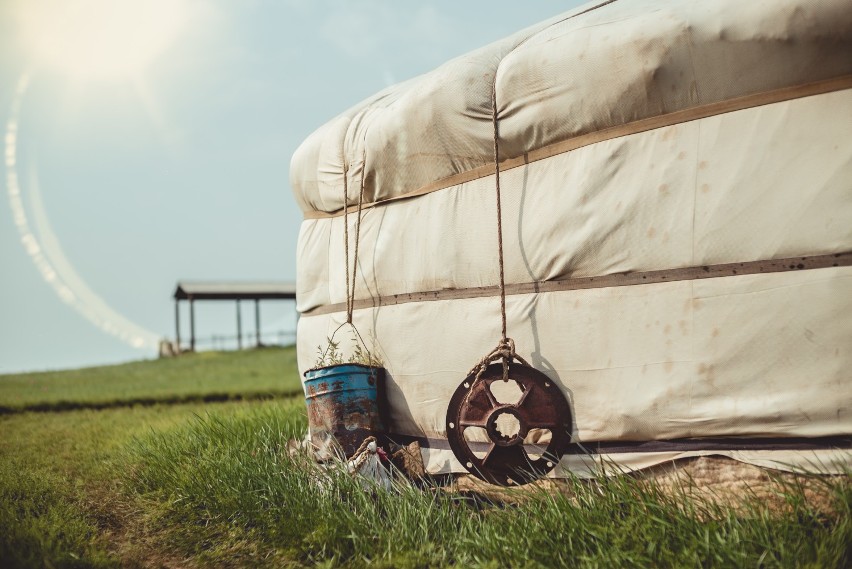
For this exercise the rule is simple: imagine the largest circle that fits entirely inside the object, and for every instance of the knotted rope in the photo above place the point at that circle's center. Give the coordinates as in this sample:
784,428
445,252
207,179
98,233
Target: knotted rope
505,350
360,455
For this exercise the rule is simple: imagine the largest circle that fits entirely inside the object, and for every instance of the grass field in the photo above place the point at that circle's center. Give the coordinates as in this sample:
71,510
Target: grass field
211,484
223,490
61,496
205,376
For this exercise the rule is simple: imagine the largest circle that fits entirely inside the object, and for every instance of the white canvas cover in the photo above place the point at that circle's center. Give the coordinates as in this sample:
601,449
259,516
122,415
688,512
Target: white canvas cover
636,136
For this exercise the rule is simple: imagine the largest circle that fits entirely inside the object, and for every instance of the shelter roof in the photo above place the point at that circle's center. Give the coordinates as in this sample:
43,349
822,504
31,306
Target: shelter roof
245,290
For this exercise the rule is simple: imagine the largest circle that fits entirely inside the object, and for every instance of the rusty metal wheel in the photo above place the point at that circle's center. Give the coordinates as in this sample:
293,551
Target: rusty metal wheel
504,460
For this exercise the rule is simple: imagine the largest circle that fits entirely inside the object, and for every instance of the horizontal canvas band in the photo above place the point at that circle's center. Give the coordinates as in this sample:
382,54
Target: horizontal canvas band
604,281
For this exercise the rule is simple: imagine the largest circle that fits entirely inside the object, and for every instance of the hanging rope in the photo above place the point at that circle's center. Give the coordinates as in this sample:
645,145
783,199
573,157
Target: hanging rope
346,239
351,299
499,208
350,285
505,349
350,290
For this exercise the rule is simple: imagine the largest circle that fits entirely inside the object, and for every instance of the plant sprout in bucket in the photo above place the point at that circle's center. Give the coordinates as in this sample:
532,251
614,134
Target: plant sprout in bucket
332,354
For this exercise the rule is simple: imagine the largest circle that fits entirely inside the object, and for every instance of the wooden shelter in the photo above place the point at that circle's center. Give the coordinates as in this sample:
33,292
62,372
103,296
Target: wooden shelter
229,291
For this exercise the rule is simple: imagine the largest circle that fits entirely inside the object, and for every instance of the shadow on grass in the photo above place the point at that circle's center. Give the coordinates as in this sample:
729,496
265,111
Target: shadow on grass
60,406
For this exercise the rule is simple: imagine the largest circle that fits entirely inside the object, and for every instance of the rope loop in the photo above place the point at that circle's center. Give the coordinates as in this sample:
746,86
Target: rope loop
505,351
360,455
357,338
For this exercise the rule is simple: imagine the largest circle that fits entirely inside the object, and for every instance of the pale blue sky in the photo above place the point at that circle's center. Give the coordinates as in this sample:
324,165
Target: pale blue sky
183,172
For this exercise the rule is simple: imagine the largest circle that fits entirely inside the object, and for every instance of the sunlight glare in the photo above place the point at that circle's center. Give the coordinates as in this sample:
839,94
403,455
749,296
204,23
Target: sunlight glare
102,38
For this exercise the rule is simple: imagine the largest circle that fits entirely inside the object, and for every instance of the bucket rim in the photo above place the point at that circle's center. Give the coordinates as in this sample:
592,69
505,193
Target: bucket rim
320,368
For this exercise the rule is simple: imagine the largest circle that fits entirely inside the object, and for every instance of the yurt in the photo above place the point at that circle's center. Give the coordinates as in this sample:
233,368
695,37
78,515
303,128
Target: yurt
651,198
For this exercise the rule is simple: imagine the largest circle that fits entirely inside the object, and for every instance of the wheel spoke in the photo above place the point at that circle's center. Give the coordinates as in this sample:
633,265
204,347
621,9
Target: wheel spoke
491,398
527,389
488,453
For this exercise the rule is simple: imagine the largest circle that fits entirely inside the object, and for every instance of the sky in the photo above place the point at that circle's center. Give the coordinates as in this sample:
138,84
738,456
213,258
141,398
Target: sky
150,142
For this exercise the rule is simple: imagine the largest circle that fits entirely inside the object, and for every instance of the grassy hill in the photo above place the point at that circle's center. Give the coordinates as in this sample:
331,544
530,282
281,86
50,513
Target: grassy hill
203,376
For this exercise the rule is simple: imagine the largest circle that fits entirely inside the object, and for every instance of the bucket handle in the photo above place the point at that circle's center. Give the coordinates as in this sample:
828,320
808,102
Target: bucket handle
370,356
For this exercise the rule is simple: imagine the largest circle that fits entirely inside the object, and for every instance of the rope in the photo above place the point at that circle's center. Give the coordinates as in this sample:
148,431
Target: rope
505,350
346,238
350,291
351,300
499,208
360,455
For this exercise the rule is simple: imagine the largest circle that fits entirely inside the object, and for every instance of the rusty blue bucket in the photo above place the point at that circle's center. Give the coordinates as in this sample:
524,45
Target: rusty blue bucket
343,406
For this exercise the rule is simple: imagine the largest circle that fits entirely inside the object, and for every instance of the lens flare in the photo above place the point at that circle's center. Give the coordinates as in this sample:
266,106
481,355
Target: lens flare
101,38
47,255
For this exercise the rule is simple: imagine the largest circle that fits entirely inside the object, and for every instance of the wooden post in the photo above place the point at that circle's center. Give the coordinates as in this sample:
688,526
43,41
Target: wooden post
257,319
177,325
191,324
239,327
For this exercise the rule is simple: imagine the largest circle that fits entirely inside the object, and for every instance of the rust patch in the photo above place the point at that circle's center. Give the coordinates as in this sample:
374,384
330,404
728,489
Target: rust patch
342,414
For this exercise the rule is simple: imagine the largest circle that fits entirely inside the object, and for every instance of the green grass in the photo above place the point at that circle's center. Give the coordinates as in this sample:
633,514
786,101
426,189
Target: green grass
41,523
61,500
204,376
223,489
212,484
61,504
